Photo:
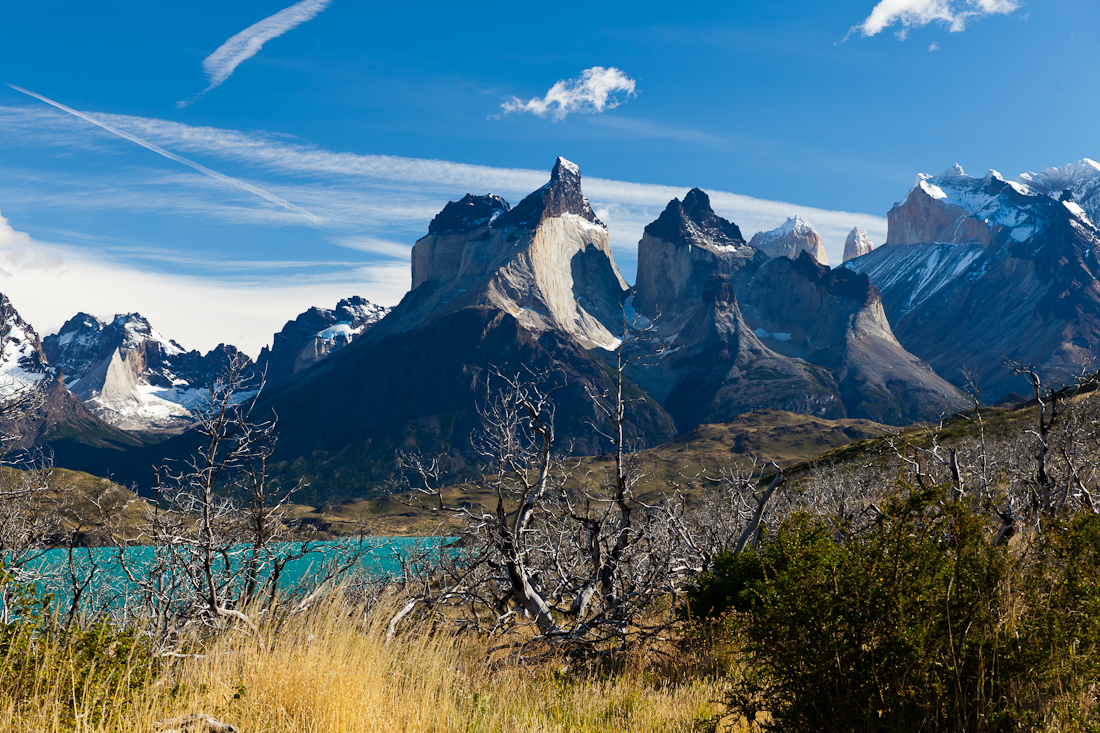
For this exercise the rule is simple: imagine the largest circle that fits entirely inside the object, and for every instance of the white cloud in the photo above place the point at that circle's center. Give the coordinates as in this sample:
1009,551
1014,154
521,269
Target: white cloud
374,204
172,156
596,90
50,283
933,46
221,64
373,245
917,13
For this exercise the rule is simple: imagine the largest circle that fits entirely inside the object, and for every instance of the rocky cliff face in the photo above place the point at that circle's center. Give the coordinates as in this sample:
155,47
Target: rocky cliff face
547,262
822,334
1013,276
682,249
314,335
794,236
130,375
59,415
836,321
437,258
529,289
857,244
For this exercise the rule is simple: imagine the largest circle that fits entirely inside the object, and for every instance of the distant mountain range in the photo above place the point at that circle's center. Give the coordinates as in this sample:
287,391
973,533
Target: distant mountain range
974,271
983,270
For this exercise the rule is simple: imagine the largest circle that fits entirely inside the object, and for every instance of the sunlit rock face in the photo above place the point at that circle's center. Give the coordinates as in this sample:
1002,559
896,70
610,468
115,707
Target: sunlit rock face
857,244
547,262
791,238
745,331
981,271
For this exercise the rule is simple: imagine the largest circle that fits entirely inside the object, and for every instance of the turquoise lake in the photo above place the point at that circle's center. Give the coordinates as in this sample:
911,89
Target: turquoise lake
380,557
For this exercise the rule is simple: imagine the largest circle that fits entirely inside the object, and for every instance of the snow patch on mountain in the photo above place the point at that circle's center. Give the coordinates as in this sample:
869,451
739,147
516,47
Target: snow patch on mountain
130,375
1076,184
925,269
789,239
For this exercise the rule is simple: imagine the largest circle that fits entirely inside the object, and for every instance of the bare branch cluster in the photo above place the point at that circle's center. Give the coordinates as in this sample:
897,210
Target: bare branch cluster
570,559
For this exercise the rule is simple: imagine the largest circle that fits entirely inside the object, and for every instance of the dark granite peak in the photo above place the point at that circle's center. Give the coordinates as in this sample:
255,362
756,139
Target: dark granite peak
468,213
840,281
562,195
684,221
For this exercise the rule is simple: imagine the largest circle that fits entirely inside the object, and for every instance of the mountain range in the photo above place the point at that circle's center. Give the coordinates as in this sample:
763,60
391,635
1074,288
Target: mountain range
974,271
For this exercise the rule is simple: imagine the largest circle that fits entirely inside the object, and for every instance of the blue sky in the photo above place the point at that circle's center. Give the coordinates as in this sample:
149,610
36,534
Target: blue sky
317,145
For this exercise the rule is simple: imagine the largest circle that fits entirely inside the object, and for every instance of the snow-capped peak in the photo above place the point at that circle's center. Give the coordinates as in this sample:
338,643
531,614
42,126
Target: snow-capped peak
569,166
138,330
793,224
1076,182
955,171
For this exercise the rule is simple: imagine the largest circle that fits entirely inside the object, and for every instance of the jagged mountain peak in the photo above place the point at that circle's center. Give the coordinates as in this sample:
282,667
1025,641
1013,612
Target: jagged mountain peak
22,360
82,322
468,213
560,196
1077,183
955,208
359,310
955,171
793,236
130,375
857,244
136,329
547,262
693,221
315,334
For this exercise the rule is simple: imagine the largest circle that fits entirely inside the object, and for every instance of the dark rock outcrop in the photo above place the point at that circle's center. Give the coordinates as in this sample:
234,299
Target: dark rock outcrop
822,334
314,335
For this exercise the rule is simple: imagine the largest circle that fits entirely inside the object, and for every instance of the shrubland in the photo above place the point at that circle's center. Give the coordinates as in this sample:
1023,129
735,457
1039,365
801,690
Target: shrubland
943,578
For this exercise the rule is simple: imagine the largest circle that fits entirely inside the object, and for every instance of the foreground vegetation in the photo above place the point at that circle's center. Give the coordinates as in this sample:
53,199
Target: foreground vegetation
945,578
333,670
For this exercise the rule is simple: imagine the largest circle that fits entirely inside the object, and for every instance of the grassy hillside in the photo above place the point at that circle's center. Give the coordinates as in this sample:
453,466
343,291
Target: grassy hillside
796,442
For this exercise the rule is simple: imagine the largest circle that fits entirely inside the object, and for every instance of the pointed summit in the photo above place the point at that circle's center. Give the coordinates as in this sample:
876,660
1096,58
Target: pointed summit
561,196
468,213
857,244
793,236
693,221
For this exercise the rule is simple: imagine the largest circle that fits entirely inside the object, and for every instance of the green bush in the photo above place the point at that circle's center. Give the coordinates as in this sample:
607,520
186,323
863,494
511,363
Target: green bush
89,669
917,622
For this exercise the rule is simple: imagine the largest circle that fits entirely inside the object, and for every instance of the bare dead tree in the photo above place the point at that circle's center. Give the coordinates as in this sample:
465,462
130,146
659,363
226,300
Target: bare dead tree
577,559
217,534
26,523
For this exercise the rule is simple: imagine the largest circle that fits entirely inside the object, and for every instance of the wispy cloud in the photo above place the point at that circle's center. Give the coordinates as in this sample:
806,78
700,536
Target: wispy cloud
596,90
243,311
172,156
221,64
373,245
917,13
369,203
647,129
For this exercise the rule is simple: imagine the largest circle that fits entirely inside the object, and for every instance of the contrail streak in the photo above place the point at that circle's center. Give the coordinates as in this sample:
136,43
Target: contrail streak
172,156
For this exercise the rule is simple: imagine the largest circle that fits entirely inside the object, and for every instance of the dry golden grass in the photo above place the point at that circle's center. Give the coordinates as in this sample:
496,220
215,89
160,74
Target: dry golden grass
334,672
